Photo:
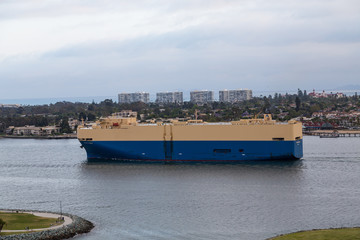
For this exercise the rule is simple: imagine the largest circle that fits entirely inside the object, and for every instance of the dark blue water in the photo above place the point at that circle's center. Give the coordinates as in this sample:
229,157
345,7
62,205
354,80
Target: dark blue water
244,201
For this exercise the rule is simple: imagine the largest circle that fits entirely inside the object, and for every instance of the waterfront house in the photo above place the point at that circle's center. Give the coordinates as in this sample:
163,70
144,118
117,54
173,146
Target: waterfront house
50,130
9,130
33,131
27,131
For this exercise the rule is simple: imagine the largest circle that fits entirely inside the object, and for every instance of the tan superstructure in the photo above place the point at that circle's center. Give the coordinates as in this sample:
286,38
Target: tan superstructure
115,128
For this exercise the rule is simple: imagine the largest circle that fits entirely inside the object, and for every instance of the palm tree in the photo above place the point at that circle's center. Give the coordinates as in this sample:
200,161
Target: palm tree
2,223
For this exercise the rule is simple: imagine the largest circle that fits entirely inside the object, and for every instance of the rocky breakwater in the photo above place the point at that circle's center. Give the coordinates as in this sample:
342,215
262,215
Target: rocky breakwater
77,226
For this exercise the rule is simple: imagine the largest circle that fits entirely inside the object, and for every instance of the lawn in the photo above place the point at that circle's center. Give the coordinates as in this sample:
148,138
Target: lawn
19,221
324,234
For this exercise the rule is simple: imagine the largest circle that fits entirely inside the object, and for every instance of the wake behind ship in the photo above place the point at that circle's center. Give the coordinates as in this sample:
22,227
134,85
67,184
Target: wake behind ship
122,138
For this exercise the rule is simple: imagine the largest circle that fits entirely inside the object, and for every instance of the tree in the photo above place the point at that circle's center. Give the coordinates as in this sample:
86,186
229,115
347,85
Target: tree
64,125
91,117
297,102
43,121
2,223
276,96
108,102
300,93
91,107
82,116
267,105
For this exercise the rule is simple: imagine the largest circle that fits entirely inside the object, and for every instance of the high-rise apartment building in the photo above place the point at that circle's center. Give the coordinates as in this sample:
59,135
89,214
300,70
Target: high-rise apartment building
134,97
169,97
235,95
201,96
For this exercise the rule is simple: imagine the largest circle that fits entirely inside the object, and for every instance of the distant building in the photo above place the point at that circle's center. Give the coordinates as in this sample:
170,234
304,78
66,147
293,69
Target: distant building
201,96
125,113
33,131
27,130
9,130
49,130
73,123
318,95
134,97
235,95
169,97
323,94
10,105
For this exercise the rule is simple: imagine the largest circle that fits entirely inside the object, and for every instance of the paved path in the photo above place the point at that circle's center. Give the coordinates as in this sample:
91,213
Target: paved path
43,214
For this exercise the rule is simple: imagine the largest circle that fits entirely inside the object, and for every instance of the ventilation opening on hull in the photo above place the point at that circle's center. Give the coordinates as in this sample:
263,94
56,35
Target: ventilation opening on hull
278,139
222,150
241,150
298,138
88,139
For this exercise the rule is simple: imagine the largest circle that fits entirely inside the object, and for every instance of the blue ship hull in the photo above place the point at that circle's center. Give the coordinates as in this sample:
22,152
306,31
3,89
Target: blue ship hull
194,151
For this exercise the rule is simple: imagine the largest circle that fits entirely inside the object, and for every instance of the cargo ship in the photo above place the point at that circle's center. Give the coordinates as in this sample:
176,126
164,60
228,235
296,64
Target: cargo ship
124,139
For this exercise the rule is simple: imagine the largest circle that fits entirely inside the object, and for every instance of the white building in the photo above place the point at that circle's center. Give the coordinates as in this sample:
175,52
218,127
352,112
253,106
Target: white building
134,97
27,130
169,97
235,95
201,96
10,105
33,131
49,130
73,123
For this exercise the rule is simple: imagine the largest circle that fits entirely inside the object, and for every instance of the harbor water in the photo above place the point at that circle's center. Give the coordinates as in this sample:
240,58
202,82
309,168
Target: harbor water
251,200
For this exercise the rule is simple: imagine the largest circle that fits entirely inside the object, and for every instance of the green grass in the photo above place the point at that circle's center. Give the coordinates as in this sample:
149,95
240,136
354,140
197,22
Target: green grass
324,234
19,221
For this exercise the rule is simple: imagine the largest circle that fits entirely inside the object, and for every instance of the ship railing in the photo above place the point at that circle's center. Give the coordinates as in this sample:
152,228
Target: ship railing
185,124
84,127
219,123
146,124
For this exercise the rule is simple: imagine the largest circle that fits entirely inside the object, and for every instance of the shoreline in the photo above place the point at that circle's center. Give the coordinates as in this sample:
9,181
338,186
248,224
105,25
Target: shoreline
337,133
316,233
67,221
73,226
67,136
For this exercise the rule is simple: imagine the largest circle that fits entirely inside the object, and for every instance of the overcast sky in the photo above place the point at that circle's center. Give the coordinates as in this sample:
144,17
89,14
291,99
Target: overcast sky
65,48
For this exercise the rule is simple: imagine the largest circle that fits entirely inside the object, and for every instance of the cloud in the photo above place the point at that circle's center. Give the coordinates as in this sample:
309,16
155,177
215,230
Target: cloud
78,48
